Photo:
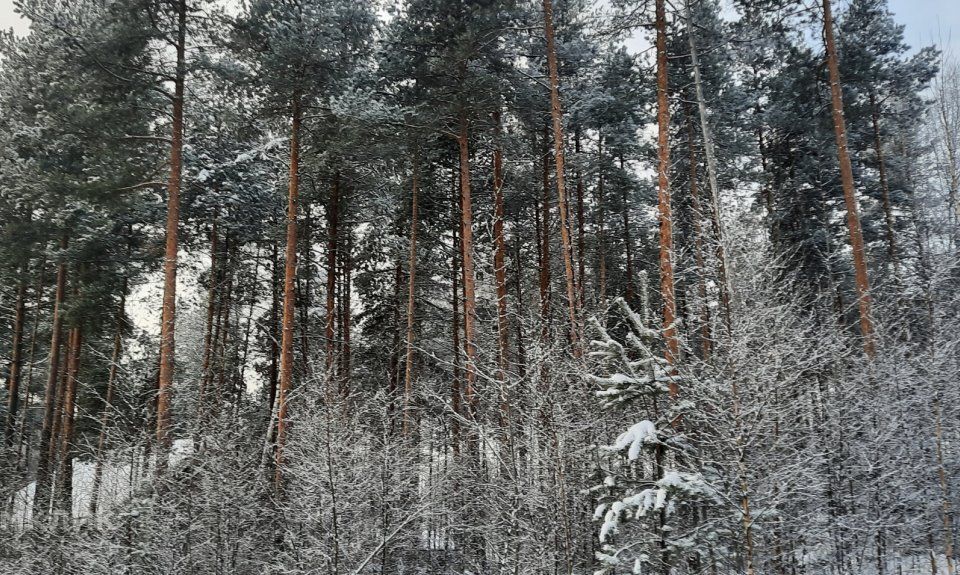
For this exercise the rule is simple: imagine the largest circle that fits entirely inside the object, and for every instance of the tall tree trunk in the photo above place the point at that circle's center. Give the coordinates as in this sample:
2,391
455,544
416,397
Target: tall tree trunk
346,278
712,178
411,294
884,187
50,394
16,360
663,206
581,237
67,448
105,417
556,115
469,276
23,443
544,245
456,386
849,194
333,213
500,270
289,300
224,364
208,336
273,333
705,338
168,319
630,292
601,228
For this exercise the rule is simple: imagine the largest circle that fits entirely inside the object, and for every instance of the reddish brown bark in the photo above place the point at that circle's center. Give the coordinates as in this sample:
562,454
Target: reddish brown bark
51,393
469,276
861,278
289,300
65,476
168,316
566,245
663,196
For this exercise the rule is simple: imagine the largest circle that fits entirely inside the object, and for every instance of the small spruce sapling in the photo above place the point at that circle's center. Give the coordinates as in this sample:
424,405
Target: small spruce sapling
647,476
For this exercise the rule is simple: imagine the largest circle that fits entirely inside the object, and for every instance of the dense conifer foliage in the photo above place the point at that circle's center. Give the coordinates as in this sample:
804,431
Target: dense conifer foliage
477,287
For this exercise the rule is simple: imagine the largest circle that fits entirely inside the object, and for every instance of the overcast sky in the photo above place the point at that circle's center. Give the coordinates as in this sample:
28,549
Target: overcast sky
927,21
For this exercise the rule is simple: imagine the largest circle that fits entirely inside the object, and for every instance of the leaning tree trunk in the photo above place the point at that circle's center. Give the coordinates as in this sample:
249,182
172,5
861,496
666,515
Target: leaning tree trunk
712,178
168,319
556,115
289,299
849,194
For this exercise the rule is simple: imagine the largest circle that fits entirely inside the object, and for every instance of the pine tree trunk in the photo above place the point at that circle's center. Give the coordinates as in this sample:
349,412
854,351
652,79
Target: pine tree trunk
273,333
226,305
469,276
663,206
500,271
289,300
581,234
23,443
333,212
544,244
67,448
50,395
456,386
108,400
601,229
884,187
16,360
168,319
705,337
208,341
411,295
346,278
849,194
556,115
712,177
630,292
